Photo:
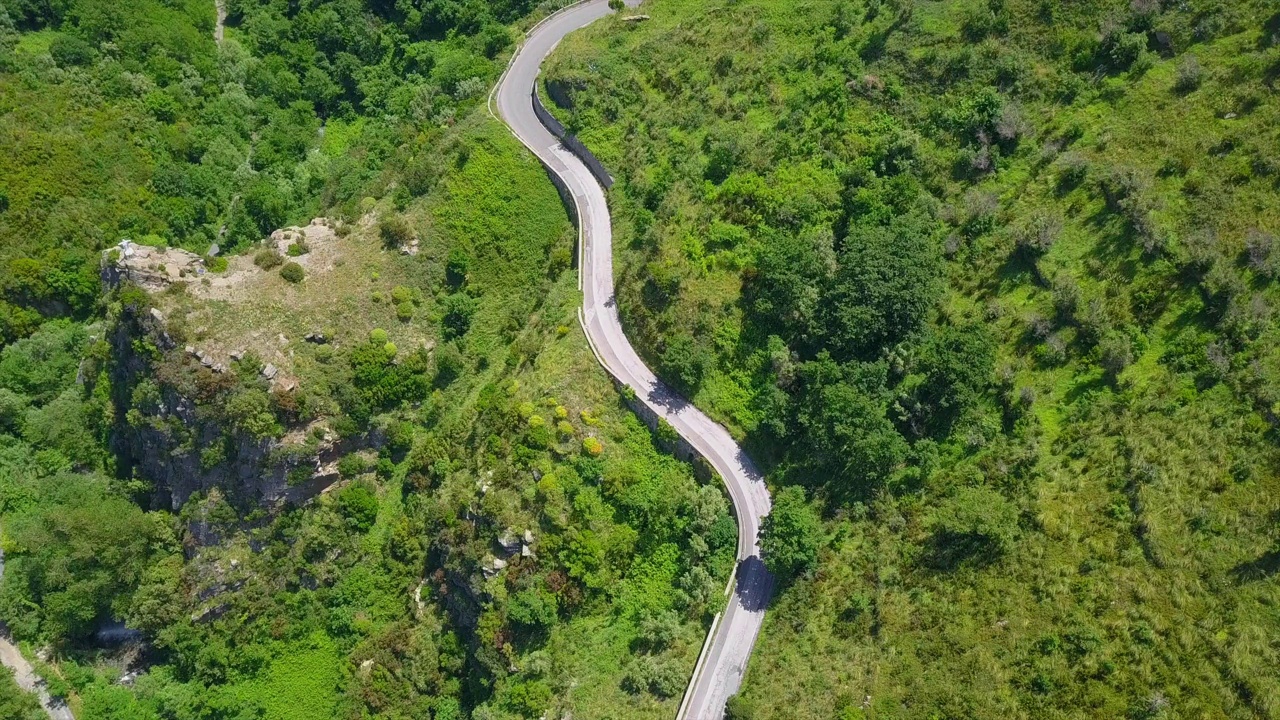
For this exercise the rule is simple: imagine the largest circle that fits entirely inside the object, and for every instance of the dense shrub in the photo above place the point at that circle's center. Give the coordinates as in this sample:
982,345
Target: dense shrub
458,309
978,523
358,505
1189,74
71,50
268,259
292,272
395,232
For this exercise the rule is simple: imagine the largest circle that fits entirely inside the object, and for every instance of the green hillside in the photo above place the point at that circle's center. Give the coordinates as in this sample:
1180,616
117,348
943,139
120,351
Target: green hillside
404,489
994,283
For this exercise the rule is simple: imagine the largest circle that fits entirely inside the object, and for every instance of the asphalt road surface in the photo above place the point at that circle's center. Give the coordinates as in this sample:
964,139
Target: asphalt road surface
720,670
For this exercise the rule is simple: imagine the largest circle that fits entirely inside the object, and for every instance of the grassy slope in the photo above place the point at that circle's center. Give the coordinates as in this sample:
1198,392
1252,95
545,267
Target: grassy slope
1145,565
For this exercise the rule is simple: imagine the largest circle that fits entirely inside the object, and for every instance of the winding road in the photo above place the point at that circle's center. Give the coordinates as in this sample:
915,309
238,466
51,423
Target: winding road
728,648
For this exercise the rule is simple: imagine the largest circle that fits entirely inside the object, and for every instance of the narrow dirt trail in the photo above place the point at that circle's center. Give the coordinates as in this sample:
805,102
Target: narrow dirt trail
220,26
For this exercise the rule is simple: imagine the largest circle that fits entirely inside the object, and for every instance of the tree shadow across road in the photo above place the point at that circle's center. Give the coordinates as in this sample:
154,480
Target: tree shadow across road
755,585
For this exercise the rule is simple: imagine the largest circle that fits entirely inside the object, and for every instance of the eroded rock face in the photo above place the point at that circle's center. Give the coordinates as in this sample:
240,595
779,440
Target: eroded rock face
150,268
166,442
318,232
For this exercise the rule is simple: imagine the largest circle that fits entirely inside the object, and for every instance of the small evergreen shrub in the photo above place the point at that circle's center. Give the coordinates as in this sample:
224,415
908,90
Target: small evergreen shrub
267,259
292,272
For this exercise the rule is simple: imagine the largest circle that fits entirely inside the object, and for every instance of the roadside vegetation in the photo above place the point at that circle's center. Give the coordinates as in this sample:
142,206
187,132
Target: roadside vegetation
988,289
468,522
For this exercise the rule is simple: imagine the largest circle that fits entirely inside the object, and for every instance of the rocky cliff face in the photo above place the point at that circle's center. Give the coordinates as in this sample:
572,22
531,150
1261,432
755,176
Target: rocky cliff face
170,430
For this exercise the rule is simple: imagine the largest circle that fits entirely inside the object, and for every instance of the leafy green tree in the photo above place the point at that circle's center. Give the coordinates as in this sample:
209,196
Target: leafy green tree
533,609
358,504
15,703
958,364
683,364
157,603
583,557
458,309
842,415
791,535
529,698
65,425
71,50
45,364
888,280
73,559
787,292
249,411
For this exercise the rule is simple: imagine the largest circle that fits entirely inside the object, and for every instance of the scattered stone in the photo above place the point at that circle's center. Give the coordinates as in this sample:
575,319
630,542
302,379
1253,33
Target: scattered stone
526,551
491,567
269,371
1229,116
150,268
237,355
509,542
214,250
315,337
635,18
207,361
157,315
191,349
528,537
282,339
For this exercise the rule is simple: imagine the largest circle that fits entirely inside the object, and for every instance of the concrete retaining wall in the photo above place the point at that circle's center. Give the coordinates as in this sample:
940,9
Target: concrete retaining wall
571,142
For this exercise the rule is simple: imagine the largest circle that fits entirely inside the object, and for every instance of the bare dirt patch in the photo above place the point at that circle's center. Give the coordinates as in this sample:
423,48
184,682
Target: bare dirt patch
346,291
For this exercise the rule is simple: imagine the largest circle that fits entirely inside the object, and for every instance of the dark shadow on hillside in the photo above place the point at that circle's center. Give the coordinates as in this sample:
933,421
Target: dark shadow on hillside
948,552
1260,569
1270,29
